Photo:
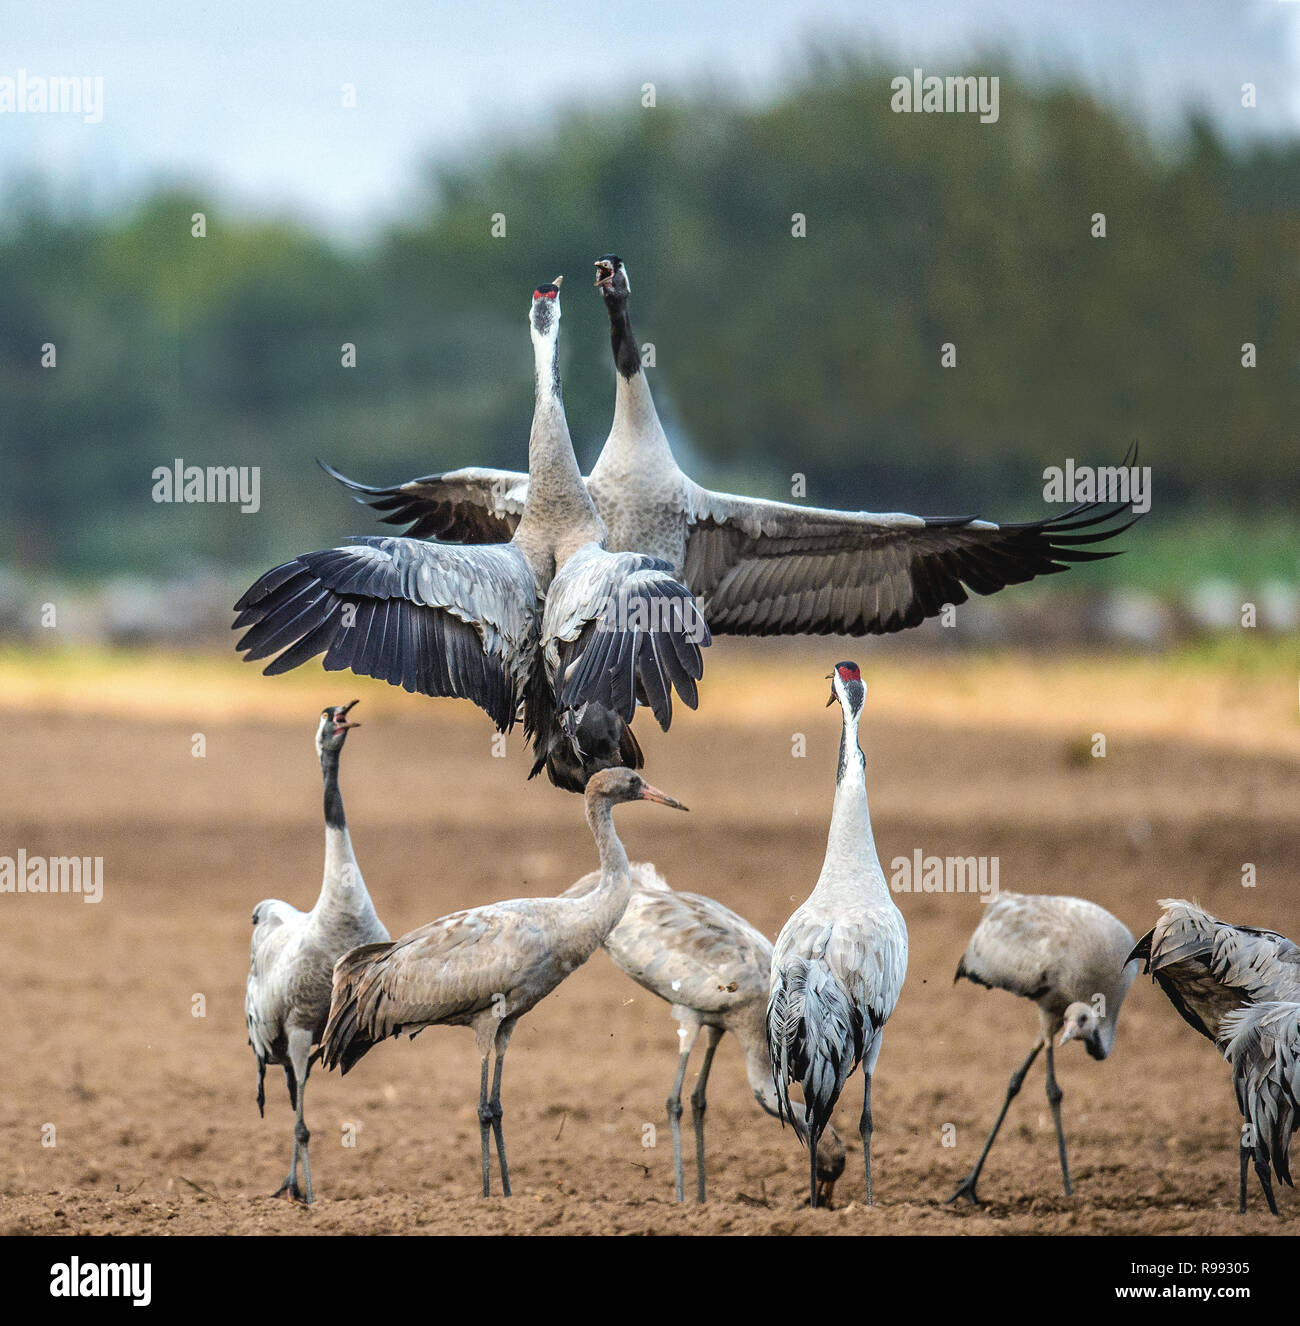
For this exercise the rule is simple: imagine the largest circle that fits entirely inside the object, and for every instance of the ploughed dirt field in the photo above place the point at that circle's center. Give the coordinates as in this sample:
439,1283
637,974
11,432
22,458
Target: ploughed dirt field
152,1108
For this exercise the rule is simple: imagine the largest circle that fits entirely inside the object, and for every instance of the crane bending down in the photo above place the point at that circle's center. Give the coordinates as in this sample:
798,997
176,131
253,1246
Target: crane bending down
486,967
839,961
715,969
757,567
548,616
287,1000
1071,958
1210,968
1262,1043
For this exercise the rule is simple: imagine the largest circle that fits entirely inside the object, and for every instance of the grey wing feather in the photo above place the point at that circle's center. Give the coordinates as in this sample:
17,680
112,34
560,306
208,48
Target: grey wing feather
436,618
774,568
470,505
619,623
1262,1043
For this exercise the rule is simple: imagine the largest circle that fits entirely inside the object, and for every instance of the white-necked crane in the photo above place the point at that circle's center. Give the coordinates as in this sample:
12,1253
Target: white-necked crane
287,1000
486,967
550,618
757,567
1209,968
839,962
1071,959
715,969
1262,1043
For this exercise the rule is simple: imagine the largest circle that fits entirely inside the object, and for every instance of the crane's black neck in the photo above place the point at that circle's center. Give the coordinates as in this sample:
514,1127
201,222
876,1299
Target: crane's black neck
329,767
627,354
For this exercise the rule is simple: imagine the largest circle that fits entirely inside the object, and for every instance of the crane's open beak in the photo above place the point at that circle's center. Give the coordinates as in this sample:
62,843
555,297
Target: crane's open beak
649,793
604,273
341,720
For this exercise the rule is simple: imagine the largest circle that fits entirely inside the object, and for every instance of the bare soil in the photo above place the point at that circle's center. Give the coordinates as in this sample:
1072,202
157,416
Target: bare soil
155,1124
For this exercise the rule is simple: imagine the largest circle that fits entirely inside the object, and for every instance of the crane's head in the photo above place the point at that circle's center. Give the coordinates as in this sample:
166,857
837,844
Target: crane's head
620,784
848,688
333,729
544,315
1083,1024
611,277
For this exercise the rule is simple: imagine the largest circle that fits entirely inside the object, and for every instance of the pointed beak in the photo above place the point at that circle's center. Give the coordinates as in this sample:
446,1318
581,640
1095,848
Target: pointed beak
1070,1032
649,793
830,678
341,720
604,273
558,282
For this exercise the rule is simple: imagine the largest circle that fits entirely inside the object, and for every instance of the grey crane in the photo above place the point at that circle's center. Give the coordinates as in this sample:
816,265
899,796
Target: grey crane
550,618
839,962
1071,958
714,968
287,999
1262,1043
757,567
1210,968
486,967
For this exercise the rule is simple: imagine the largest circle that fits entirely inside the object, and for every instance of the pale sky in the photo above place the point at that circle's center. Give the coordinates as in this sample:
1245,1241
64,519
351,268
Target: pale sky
247,95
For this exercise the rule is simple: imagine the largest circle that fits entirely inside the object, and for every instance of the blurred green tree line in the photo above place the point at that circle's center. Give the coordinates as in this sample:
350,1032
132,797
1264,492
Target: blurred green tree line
775,355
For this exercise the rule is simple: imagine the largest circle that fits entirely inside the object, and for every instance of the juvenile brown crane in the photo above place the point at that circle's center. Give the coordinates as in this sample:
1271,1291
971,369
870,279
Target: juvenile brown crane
715,969
486,967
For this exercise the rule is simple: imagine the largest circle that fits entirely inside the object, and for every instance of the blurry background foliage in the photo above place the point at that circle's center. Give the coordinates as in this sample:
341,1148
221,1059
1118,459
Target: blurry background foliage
775,355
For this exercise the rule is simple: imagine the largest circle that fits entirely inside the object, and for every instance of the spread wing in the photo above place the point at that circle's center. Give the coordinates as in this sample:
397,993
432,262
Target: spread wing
618,622
459,506
773,568
437,618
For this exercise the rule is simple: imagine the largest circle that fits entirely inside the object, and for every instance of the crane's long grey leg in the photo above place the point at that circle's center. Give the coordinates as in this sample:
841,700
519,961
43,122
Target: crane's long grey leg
966,1188
1265,1181
1054,1095
699,1103
1245,1165
495,1106
686,1035
300,1060
865,1127
484,1127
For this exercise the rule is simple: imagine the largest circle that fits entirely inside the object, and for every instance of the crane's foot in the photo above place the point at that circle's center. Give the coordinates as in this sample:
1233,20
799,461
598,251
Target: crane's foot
290,1190
966,1188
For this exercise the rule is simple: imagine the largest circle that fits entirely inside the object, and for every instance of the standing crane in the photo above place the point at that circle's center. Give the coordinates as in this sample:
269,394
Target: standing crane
839,961
287,1000
1210,968
714,968
486,967
1071,958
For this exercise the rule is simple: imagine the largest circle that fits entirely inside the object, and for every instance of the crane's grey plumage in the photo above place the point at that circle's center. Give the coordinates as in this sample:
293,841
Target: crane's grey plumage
839,962
1071,958
1210,969
757,567
1262,1043
287,999
714,968
469,622
486,967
